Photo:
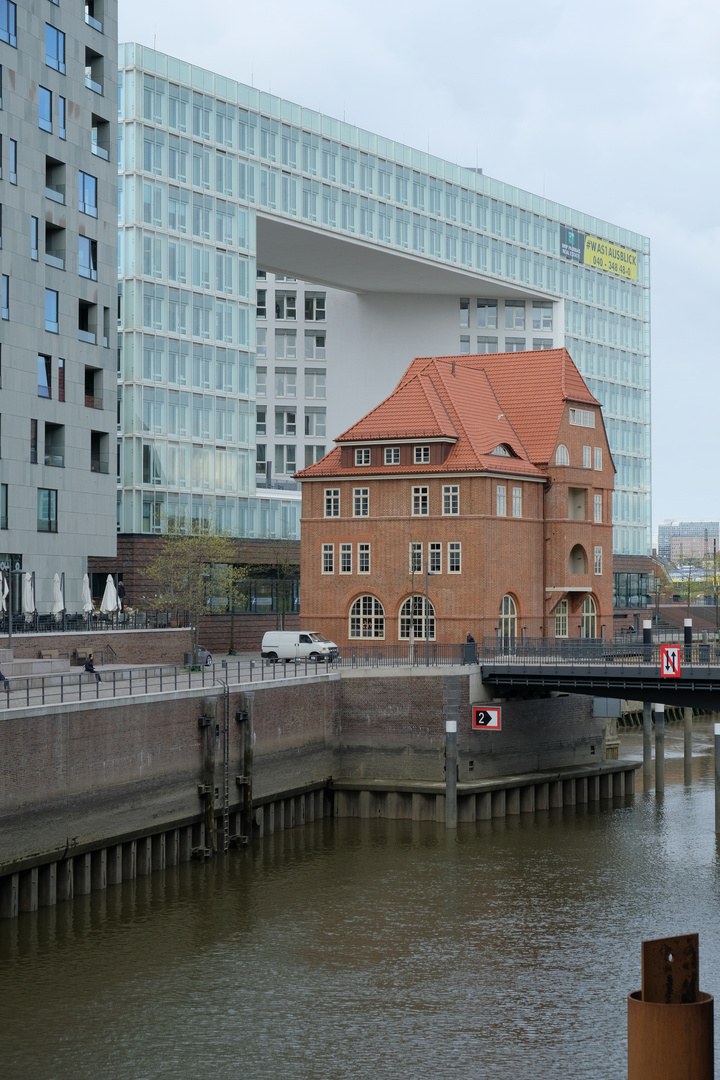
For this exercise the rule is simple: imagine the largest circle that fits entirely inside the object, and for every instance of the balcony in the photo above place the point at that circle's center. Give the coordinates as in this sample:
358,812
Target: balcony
57,461
92,402
87,336
99,152
95,23
56,194
96,87
99,465
57,260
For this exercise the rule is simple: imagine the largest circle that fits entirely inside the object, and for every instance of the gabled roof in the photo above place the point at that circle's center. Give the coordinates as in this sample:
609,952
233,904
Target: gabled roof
478,403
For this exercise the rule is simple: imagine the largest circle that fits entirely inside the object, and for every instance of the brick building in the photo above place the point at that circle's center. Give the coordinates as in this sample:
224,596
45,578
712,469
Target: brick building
488,478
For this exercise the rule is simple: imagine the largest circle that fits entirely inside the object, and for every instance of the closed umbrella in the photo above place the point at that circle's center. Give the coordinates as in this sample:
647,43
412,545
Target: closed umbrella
109,601
28,598
87,603
58,604
4,592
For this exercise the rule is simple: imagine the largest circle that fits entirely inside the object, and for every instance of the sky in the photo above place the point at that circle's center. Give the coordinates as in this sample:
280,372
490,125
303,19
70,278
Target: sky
613,109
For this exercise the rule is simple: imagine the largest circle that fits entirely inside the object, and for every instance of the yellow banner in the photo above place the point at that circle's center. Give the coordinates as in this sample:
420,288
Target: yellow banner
610,257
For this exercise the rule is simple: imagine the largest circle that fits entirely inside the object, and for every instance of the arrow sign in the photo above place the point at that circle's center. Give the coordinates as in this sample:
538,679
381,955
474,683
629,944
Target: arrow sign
486,718
670,661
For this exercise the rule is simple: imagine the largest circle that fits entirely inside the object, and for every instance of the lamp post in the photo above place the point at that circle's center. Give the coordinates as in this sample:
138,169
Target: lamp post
10,572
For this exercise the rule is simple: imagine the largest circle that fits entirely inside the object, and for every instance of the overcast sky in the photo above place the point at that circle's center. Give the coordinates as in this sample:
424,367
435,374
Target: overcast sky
610,108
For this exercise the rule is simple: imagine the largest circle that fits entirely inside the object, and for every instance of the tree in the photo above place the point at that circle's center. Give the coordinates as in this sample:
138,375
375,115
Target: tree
190,570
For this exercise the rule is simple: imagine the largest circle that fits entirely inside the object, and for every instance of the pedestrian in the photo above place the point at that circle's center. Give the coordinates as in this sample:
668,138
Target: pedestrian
4,681
90,667
470,639
121,595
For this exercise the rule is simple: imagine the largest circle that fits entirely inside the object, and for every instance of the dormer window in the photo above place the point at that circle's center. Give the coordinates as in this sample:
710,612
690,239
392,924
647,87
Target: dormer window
422,455
392,455
503,450
362,457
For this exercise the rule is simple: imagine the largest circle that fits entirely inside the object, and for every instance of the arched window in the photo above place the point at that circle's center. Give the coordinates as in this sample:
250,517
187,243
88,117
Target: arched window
419,618
588,624
367,618
561,619
508,619
562,457
577,563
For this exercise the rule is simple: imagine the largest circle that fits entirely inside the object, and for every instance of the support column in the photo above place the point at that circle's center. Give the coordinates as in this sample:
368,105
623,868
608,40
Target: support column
143,857
687,746
114,865
81,874
158,850
47,885
98,870
65,880
647,745
9,890
660,747
172,847
28,890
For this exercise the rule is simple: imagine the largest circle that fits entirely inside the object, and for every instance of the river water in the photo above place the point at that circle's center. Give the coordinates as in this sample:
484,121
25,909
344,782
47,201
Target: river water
375,949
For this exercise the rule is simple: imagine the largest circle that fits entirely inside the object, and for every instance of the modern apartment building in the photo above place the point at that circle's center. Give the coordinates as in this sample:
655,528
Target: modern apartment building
58,192
678,540
413,255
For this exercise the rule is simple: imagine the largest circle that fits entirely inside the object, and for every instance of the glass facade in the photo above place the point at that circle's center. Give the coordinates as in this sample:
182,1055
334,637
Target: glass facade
199,156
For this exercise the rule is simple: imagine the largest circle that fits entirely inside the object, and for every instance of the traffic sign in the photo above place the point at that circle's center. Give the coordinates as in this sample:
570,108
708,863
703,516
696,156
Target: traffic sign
486,718
670,661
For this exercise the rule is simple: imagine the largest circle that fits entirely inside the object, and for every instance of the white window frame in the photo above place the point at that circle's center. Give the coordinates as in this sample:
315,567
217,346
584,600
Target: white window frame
362,456
361,502
501,500
587,457
434,557
372,619
421,455
454,557
415,552
597,507
451,499
597,458
561,619
517,502
332,502
363,558
328,559
582,418
346,558
392,455
420,502
598,561
562,455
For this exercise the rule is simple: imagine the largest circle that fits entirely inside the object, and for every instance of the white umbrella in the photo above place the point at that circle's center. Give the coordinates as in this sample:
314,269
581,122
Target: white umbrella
28,598
87,603
109,601
4,592
58,604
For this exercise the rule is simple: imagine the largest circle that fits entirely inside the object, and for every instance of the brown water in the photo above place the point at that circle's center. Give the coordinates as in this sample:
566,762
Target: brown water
374,949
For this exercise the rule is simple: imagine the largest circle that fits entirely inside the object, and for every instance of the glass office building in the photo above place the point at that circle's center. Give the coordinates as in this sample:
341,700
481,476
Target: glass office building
218,180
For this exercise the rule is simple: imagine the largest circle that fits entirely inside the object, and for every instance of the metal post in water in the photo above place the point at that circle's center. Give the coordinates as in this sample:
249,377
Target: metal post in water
688,638
647,639
451,774
647,745
687,745
659,748
717,778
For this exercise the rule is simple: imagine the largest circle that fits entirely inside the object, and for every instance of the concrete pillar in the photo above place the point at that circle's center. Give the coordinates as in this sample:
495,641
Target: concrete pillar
47,885
647,745
569,792
466,808
114,864
630,781
259,823
605,786
542,796
556,792
593,788
186,843
143,856
81,875
269,815
527,799
28,890
512,801
687,745
98,870
483,810
172,847
157,851
65,880
129,860
364,804
618,780
498,804
300,810
660,745
581,790
198,835
9,896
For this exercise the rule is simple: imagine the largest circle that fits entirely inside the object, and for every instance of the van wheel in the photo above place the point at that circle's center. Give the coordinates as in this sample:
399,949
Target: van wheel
315,657
272,657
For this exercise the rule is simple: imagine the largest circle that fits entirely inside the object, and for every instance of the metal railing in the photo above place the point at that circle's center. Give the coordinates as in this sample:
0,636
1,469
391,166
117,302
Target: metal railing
37,623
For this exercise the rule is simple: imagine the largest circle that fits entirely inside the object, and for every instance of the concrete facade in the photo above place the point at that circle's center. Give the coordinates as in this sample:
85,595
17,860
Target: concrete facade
58,190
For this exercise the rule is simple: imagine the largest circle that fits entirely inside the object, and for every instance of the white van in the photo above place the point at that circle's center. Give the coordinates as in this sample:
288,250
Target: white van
297,645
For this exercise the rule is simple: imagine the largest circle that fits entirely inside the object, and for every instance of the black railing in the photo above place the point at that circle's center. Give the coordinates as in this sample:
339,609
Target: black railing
37,623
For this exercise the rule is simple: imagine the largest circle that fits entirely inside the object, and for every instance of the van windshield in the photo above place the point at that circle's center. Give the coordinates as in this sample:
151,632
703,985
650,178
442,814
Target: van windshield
318,637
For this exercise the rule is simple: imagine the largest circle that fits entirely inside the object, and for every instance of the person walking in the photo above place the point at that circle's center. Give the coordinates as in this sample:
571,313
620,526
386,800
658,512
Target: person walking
90,667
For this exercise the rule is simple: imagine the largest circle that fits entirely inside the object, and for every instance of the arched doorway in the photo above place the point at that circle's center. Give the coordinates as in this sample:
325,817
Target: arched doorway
588,622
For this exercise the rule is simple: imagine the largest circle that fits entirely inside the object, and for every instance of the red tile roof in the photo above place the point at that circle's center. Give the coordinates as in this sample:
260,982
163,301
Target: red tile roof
478,403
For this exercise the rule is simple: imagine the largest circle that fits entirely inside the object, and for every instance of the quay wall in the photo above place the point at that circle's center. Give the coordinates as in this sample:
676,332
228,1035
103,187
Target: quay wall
166,646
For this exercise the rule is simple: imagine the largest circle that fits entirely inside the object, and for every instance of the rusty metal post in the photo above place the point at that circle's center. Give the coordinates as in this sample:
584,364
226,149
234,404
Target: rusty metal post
687,745
647,745
659,748
245,718
670,1021
209,728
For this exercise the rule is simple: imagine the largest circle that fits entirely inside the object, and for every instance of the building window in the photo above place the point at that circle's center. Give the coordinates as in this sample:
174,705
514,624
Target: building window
44,109
464,345
588,622
3,506
454,557
464,311
487,345
451,499
285,422
420,502
582,418
507,630
517,502
561,619
8,23
13,160
285,344
367,618
261,459
562,456
487,315
34,229
598,458
422,455
346,558
87,194
286,382
363,558
261,343
314,345
313,454
61,379
62,115
542,315
514,344
332,502
392,455
87,258
415,558
261,304
598,561
47,510
362,457
55,48
417,616
6,296
587,457
328,558
314,307
261,422
514,314
285,306
33,442
500,500
597,502
285,460
361,502
44,366
315,384
435,558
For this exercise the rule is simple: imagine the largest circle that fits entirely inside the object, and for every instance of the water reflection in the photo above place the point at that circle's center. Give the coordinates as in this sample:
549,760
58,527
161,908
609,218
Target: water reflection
384,949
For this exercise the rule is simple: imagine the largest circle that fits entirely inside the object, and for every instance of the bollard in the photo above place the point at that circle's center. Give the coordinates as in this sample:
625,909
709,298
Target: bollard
687,746
451,774
647,745
659,748
687,637
670,1021
647,639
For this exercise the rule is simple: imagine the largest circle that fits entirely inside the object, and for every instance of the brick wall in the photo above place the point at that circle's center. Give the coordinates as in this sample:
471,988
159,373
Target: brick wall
116,647
248,633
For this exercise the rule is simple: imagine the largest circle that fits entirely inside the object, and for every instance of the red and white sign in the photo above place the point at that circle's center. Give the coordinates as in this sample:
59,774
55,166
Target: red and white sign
486,718
670,661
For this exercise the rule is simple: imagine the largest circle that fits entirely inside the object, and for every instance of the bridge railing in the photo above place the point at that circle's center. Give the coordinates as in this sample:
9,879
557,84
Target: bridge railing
614,652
